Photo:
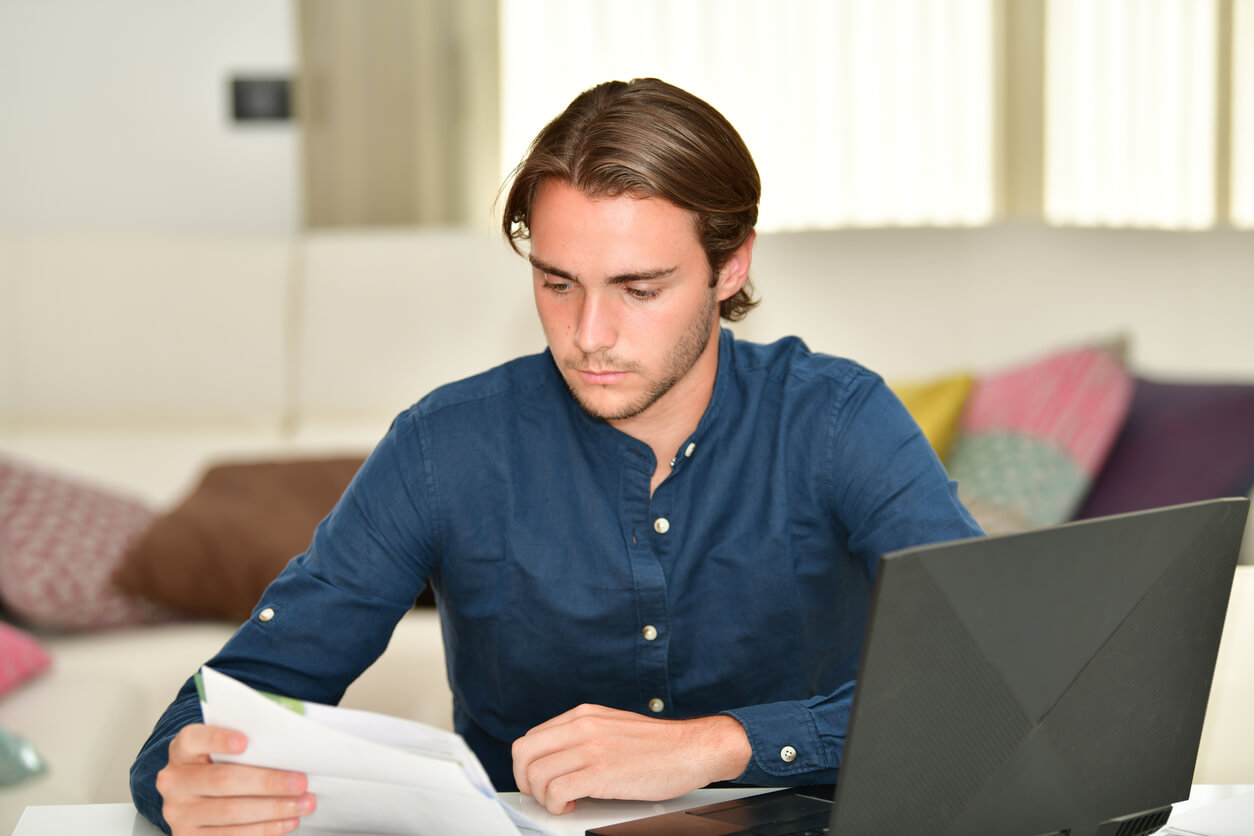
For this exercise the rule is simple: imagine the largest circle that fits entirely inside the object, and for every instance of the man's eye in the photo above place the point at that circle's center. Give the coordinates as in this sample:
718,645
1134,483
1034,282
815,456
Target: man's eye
557,287
641,293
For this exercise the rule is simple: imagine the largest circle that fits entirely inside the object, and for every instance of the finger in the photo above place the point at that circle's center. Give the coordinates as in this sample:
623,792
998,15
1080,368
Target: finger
548,737
537,744
196,742
561,792
229,779
558,779
260,815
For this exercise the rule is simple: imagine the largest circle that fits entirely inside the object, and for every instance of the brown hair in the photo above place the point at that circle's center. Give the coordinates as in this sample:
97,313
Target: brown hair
647,138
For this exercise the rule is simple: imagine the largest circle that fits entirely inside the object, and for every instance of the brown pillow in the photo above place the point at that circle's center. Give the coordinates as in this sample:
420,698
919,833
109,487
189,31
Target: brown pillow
216,552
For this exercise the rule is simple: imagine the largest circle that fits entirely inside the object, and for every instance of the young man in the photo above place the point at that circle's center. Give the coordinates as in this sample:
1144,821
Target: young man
651,545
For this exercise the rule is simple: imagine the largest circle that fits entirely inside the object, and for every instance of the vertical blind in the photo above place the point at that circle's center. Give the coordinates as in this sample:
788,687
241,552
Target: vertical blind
1131,113
884,112
858,113
1242,192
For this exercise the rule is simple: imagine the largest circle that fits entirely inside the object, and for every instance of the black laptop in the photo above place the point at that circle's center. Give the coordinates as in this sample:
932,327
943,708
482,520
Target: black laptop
1047,682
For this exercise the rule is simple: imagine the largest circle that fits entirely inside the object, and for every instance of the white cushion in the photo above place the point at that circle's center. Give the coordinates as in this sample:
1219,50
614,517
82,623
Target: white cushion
146,329
388,316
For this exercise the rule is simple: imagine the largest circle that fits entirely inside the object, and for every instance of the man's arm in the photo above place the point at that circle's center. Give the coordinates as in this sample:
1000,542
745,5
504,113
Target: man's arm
599,752
361,572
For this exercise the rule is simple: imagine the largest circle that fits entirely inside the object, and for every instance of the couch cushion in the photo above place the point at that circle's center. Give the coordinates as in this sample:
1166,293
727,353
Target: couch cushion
21,657
86,728
216,552
380,310
1182,442
1033,437
937,406
143,330
59,542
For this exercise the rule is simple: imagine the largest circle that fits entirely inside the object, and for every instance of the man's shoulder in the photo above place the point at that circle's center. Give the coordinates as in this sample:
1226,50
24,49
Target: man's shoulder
791,363
506,384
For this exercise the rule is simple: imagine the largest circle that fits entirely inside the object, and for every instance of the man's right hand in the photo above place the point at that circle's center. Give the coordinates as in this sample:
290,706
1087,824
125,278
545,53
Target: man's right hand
201,796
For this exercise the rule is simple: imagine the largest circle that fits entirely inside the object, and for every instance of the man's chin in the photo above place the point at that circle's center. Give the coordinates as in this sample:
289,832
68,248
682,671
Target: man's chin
605,406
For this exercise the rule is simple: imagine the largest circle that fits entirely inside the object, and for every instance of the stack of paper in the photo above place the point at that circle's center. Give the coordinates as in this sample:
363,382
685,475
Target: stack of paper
370,773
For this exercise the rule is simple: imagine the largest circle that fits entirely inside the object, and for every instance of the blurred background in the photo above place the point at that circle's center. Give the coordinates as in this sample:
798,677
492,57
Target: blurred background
279,115
263,214
256,230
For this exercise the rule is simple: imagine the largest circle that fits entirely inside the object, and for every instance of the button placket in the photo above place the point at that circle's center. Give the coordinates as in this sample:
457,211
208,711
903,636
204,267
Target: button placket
647,554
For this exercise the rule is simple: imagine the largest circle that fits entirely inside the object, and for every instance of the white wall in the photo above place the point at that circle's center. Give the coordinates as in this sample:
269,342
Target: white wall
114,116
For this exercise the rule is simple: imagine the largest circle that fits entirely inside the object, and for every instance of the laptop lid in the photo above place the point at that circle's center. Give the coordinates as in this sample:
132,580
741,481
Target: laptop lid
1039,682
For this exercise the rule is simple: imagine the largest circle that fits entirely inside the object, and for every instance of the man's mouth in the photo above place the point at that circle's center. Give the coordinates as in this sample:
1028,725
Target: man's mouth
600,377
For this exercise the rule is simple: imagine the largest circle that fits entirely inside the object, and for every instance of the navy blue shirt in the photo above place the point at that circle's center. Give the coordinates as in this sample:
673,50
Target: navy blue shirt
740,586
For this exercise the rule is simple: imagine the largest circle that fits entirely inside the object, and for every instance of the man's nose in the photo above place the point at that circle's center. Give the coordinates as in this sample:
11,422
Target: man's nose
595,330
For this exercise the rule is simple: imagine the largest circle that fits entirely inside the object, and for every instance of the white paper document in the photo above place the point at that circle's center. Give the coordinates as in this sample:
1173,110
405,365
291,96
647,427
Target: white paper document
370,773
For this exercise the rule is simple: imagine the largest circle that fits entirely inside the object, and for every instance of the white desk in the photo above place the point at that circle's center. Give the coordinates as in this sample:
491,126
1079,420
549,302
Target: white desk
122,820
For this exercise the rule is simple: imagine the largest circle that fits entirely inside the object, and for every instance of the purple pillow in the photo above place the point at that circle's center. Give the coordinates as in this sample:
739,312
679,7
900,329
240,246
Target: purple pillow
1182,442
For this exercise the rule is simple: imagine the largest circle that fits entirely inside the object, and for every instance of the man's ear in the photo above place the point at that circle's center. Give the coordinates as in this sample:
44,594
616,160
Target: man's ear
735,271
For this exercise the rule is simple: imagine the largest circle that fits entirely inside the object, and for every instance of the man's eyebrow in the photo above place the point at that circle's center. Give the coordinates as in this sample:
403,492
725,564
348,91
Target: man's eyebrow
621,278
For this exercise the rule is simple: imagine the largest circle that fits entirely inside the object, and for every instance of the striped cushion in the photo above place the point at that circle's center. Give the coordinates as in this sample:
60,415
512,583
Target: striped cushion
21,657
1034,437
59,542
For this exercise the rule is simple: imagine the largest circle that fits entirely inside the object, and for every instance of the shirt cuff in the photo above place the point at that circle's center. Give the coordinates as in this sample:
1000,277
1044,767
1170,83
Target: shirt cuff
792,743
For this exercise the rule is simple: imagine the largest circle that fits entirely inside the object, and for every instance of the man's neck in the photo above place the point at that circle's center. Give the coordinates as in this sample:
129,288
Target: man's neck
675,416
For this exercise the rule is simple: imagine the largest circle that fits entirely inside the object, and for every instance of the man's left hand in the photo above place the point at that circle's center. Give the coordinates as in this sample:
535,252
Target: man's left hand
596,752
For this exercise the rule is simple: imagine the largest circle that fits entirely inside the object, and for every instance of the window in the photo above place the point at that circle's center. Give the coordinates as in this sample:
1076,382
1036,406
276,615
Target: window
1242,87
858,113
1131,113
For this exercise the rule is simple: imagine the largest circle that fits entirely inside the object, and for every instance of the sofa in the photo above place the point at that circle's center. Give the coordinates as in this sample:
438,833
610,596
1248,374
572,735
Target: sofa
154,389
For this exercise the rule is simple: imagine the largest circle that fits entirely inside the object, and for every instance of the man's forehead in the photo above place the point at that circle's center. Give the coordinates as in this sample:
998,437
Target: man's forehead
560,211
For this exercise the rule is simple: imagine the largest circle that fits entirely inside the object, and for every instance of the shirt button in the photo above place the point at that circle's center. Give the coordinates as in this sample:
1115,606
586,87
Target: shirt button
649,632
266,614
692,445
656,705
661,525
788,754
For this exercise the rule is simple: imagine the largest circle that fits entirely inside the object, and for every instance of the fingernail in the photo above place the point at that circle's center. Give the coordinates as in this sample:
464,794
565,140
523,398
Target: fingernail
305,804
236,743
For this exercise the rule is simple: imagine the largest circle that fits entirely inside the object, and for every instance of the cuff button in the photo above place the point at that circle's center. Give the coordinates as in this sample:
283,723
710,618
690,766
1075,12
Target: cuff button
788,754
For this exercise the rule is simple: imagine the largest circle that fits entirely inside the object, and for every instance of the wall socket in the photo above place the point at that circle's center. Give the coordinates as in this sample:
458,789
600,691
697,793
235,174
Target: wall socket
261,99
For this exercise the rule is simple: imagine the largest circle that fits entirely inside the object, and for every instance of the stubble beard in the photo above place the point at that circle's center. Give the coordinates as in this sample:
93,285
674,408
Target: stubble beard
682,357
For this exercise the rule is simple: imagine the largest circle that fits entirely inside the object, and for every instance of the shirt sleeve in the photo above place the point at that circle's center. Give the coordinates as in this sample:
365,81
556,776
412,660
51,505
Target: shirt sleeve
796,743
332,610
887,490
886,487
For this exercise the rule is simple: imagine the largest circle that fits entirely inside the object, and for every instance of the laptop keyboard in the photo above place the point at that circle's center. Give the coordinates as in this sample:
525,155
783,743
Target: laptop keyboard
815,825
780,814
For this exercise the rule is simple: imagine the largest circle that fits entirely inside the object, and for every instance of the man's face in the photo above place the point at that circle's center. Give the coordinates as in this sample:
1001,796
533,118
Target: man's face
622,287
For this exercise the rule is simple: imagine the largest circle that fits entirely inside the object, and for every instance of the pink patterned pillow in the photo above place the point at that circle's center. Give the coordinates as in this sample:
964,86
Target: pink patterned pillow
21,657
59,542
1034,437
